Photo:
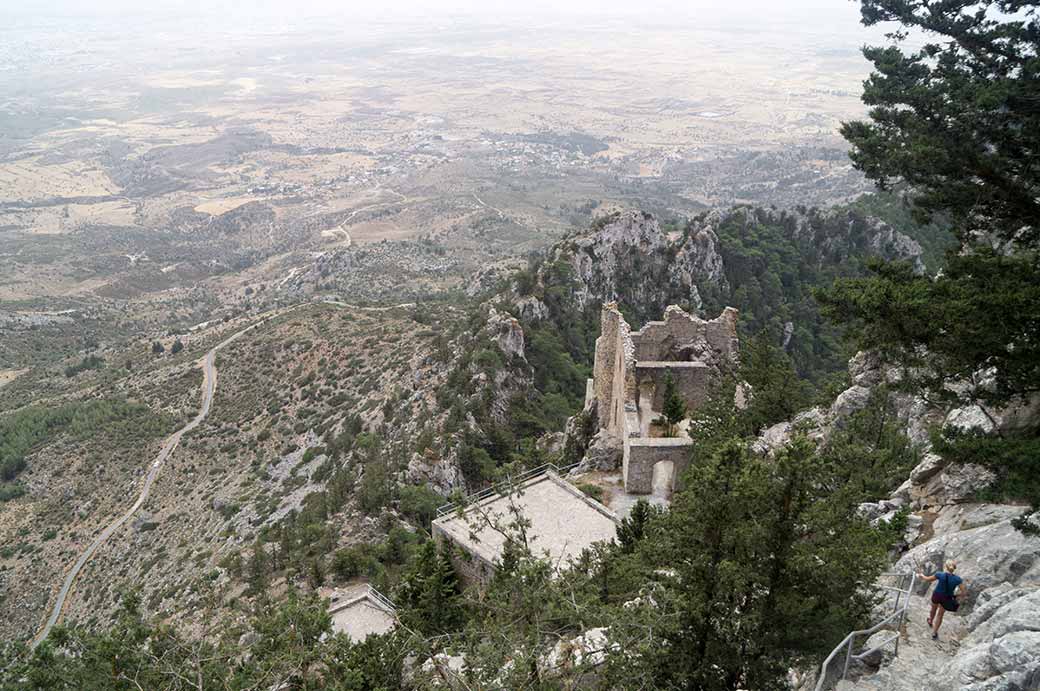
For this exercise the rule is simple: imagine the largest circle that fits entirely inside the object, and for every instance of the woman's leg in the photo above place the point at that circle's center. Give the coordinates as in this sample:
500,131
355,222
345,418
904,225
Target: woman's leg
938,621
931,615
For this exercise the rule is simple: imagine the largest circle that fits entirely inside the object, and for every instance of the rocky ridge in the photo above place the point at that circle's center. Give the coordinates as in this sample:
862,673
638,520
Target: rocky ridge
996,644
629,255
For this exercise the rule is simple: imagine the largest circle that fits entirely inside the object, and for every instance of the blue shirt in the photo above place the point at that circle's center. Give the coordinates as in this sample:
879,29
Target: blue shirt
946,583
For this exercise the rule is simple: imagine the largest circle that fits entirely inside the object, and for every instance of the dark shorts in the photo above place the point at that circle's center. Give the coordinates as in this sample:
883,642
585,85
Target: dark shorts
948,603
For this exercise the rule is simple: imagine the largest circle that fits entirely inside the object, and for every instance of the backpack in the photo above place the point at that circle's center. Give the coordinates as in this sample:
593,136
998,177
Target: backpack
950,603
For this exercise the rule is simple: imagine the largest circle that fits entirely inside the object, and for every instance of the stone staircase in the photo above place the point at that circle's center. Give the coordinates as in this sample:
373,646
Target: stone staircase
921,661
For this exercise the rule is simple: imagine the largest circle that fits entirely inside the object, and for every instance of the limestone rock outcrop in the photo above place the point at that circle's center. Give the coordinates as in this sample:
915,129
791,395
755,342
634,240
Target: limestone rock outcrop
506,332
1002,649
990,551
441,475
1000,614
605,453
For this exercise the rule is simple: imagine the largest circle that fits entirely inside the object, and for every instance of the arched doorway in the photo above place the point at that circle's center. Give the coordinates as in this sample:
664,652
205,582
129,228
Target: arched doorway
663,479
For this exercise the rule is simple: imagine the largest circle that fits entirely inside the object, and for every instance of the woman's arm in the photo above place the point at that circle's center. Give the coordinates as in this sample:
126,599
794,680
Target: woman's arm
926,579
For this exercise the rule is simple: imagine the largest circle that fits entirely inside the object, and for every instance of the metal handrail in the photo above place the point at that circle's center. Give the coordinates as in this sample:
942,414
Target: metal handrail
898,615
382,600
370,594
499,486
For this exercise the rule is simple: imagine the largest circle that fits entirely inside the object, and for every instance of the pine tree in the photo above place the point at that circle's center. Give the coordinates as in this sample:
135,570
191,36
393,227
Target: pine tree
674,407
429,597
633,527
955,122
742,572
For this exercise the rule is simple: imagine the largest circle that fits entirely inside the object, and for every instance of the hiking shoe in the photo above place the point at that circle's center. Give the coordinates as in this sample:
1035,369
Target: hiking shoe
935,636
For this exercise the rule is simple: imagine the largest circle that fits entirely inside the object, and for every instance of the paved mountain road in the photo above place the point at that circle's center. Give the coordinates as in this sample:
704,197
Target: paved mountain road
209,387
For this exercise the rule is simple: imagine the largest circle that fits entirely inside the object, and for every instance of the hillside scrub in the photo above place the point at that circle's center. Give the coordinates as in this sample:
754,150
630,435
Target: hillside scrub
728,582
26,430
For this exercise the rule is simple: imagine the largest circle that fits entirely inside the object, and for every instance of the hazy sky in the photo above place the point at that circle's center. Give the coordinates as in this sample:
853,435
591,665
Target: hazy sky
838,13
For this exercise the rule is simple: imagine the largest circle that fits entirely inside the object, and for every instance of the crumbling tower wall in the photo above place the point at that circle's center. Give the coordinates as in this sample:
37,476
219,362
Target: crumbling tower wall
629,376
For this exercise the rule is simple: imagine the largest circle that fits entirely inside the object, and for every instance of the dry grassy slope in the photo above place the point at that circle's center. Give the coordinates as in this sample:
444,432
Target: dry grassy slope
76,485
279,388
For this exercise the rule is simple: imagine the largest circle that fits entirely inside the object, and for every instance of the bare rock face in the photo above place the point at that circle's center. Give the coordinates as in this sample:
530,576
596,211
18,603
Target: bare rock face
848,402
887,240
961,482
987,555
952,519
586,650
531,308
1002,650
551,443
773,438
628,252
604,453
970,418
441,475
505,330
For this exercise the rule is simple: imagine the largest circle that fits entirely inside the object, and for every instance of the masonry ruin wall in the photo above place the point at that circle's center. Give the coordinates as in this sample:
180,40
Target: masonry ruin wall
629,376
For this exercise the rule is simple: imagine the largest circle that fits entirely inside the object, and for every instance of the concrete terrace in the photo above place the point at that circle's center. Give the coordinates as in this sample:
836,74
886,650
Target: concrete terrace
563,522
361,612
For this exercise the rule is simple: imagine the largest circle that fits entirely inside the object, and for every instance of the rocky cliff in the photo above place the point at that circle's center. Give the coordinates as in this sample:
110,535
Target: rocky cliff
764,262
996,643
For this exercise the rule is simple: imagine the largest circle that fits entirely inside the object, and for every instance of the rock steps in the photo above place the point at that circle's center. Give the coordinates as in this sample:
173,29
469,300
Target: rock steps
921,661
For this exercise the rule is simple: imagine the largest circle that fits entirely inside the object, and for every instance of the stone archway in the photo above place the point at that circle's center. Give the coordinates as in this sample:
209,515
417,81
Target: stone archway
662,482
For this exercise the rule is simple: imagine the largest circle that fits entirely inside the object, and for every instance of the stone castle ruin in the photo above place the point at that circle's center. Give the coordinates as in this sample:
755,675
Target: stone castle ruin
629,375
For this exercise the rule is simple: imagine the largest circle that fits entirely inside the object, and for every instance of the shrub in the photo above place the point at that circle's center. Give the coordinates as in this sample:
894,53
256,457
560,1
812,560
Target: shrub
591,490
419,504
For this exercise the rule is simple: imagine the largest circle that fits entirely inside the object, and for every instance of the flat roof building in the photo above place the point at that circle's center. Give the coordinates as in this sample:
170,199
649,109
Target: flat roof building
361,612
563,521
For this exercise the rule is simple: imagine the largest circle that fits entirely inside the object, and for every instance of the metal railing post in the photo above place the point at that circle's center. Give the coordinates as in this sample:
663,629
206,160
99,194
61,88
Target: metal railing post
848,658
897,618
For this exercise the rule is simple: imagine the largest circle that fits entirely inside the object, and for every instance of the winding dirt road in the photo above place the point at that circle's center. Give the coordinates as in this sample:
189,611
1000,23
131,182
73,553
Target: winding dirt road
209,386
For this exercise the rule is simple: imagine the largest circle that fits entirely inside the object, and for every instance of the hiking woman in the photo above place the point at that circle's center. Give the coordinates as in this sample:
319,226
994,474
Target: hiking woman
944,598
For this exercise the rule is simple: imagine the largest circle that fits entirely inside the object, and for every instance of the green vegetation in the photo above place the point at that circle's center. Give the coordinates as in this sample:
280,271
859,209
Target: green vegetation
895,209
736,568
777,393
674,409
871,452
955,123
592,491
90,362
773,261
419,503
292,650
956,118
26,430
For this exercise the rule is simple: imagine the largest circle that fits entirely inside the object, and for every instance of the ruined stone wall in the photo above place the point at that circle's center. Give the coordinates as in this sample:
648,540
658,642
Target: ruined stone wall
629,376
612,377
692,380
681,337
642,454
